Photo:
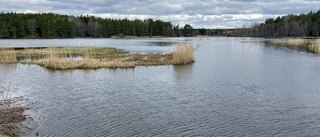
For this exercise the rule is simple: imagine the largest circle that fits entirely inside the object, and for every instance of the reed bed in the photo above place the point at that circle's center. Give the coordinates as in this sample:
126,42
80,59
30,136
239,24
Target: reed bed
183,53
100,57
289,42
68,51
94,59
7,55
63,59
314,46
310,45
60,64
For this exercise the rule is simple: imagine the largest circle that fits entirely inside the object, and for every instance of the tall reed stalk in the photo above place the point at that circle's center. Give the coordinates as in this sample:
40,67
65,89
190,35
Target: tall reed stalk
314,46
7,55
183,53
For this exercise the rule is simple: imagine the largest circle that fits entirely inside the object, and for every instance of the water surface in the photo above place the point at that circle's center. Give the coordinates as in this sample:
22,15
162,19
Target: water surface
141,45
234,88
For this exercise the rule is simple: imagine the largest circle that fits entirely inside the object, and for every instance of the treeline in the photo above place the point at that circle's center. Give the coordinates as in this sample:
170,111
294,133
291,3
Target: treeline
286,26
50,25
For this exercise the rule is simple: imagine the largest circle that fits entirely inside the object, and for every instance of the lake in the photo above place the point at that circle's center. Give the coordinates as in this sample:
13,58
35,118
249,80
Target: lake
236,87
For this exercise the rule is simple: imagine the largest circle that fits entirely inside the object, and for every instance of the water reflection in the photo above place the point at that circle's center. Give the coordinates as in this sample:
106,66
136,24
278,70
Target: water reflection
7,71
183,72
251,47
6,68
313,48
149,45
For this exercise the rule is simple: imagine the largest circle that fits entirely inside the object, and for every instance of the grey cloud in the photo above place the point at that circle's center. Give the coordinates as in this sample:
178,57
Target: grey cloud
200,13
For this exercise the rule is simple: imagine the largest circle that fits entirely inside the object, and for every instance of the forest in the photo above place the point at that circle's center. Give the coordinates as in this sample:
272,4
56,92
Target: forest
302,25
50,25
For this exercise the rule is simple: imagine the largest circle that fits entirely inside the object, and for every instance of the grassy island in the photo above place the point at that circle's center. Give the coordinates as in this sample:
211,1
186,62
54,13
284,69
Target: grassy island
94,57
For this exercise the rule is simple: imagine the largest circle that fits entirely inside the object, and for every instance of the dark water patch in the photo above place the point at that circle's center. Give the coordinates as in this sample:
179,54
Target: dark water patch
163,43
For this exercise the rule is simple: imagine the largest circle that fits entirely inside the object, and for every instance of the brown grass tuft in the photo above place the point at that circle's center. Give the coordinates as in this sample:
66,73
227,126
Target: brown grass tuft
183,53
60,64
63,60
7,55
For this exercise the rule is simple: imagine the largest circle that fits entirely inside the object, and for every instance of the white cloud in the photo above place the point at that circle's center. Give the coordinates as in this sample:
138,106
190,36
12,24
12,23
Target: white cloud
199,13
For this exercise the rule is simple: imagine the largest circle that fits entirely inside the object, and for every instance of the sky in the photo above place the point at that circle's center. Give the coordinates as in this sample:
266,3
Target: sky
211,14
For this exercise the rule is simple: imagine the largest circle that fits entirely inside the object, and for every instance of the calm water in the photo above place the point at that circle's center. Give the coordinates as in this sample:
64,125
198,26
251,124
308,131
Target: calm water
141,46
234,88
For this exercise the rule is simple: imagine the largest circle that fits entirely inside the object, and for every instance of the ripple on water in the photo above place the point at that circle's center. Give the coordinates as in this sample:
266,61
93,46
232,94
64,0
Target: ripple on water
231,90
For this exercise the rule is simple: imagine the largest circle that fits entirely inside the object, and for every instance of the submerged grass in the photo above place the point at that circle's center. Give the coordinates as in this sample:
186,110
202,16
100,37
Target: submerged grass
11,111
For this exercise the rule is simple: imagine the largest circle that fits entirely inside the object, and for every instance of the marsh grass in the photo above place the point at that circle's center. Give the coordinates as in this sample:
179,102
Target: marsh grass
94,58
101,57
183,53
11,110
7,54
202,36
314,47
289,42
68,51
56,63
63,59
311,45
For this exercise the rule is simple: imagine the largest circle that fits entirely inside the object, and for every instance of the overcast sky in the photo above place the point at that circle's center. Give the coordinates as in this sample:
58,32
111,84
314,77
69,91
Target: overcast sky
198,13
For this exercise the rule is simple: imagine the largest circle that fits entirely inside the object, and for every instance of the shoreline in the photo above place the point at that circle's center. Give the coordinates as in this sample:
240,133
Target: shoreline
153,37
113,37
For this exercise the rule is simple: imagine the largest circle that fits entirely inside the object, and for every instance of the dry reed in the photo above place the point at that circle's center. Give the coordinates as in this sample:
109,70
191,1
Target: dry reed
102,57
7,55
310,45
183,53
289,42
314,46
55,63
11,111
63,60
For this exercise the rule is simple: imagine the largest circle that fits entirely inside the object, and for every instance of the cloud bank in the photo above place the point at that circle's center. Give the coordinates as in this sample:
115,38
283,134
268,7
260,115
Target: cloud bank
198,13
